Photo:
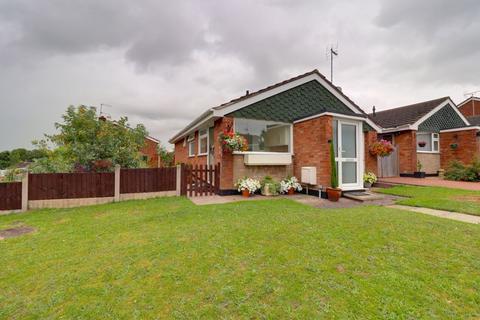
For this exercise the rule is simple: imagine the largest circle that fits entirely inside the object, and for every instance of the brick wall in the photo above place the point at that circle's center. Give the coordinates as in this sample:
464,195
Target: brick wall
311,147
471,108
225,158
370,161
430,162
466,150
181,153
240,170
406,142
150,150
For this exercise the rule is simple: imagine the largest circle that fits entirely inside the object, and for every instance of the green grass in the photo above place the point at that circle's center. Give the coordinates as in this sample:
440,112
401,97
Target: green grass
166,258
457,200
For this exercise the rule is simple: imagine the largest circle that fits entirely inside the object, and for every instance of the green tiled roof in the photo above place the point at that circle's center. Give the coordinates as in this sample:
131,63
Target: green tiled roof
305,100
445,118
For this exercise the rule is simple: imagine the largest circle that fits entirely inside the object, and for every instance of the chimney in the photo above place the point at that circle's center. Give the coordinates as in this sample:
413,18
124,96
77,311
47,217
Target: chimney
339,88
247,93
374,111
102,118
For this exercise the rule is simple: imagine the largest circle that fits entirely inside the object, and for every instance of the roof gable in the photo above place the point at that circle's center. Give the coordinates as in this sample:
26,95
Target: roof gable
302,101
406,115
445,118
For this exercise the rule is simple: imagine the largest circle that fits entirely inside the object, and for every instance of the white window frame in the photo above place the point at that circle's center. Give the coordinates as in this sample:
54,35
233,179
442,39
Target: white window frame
434,137
200,137
290,148
191,140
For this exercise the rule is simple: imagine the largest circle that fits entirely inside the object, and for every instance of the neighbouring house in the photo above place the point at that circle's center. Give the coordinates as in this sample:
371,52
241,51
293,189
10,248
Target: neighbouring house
470,107
432,133
288,127
149,152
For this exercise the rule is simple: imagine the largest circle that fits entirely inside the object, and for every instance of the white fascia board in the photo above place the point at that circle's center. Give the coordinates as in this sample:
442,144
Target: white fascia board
436,109
255,98
461,104
400,128
192,127
460,129
342,116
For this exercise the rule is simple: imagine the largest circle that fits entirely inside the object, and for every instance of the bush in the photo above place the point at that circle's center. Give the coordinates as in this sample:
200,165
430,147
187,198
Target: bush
459,172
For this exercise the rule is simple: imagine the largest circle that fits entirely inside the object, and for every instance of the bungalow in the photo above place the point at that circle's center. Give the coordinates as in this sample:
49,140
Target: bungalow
288,127
430,133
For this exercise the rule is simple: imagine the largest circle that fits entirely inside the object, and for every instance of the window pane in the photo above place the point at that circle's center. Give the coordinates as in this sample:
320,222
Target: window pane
203,145
349,141
264,136
435,145
349,172
424,142
191,148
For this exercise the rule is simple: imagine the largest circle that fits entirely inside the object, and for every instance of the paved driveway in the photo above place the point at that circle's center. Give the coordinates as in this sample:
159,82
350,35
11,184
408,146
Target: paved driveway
433,182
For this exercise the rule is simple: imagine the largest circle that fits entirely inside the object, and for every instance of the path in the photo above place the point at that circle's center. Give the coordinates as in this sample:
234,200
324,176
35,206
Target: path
440,213
433,182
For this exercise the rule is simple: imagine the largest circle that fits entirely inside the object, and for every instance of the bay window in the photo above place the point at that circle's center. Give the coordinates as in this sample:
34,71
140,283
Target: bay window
265,136
202,142
428,142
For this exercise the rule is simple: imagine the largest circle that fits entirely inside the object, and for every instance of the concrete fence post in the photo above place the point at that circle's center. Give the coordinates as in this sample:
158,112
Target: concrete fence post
25,192
179,180
116,197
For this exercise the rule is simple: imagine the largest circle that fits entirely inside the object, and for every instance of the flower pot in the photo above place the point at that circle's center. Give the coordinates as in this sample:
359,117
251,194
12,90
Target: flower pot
291,191
367,185
419,174
269,190
334,194
245,193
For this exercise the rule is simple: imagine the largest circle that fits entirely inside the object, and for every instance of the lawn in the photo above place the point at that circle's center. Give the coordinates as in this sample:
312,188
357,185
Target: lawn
167,258
438,198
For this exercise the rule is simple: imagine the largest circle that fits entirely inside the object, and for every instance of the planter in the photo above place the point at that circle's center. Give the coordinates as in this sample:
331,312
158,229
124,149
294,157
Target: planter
291,191
245,193
334,194
419,174
269,190
422,144
367,185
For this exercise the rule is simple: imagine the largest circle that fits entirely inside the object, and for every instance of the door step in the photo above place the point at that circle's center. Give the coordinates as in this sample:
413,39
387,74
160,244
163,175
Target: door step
363,196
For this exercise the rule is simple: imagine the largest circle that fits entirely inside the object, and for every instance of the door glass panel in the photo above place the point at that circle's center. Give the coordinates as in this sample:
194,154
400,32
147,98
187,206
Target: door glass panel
349,172
349,141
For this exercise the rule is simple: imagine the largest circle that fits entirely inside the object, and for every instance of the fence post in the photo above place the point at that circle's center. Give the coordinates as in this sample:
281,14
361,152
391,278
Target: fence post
25,191
116,197
179,180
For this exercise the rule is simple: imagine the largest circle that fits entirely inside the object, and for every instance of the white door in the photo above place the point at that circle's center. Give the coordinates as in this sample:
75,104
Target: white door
349,150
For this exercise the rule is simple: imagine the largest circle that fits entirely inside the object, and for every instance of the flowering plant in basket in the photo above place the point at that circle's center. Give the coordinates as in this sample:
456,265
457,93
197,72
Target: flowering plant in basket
382,148
290,184
248,184
232,141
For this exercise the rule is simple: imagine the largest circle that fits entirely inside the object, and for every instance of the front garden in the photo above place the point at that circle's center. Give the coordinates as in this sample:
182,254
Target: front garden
167,258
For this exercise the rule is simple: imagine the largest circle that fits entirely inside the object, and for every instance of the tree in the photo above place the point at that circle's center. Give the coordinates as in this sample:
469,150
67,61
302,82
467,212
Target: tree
83,140
4,159
166,156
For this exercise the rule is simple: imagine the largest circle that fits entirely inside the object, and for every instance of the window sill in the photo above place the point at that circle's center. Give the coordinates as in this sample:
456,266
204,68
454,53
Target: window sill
429,152
202,154
191,156
261,152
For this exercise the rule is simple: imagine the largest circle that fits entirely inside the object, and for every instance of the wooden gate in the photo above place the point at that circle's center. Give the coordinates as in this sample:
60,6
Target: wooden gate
388,166
200,180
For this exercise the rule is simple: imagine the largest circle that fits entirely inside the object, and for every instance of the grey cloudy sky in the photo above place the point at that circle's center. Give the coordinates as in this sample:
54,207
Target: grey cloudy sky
161,63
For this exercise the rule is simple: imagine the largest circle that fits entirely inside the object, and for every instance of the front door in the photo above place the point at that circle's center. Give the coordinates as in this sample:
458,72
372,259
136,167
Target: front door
348,153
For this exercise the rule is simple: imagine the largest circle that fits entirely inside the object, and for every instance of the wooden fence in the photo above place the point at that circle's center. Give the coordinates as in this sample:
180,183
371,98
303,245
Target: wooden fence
147,180
47,186
11,196
200,180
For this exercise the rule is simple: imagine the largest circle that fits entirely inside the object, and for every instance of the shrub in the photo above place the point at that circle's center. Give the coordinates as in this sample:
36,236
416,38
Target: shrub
459,172
273,186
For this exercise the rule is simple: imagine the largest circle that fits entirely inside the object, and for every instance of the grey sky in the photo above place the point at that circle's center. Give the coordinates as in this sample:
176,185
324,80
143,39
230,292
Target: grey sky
161,63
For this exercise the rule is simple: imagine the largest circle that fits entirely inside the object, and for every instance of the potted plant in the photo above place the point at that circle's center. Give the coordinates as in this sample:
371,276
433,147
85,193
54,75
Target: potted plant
422,144
454,146
248,186
334,192
270,187
369,178
289,185
231,141
382,148
419,173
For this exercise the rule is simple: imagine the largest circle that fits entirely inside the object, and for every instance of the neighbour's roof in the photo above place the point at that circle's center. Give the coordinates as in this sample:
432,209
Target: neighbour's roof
474,120
406,115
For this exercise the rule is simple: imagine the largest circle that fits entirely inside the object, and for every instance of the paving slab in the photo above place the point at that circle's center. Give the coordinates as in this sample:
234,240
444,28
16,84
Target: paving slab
441,213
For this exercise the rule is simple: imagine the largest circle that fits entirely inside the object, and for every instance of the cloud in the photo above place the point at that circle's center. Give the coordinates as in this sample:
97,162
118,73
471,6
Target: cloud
162,63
